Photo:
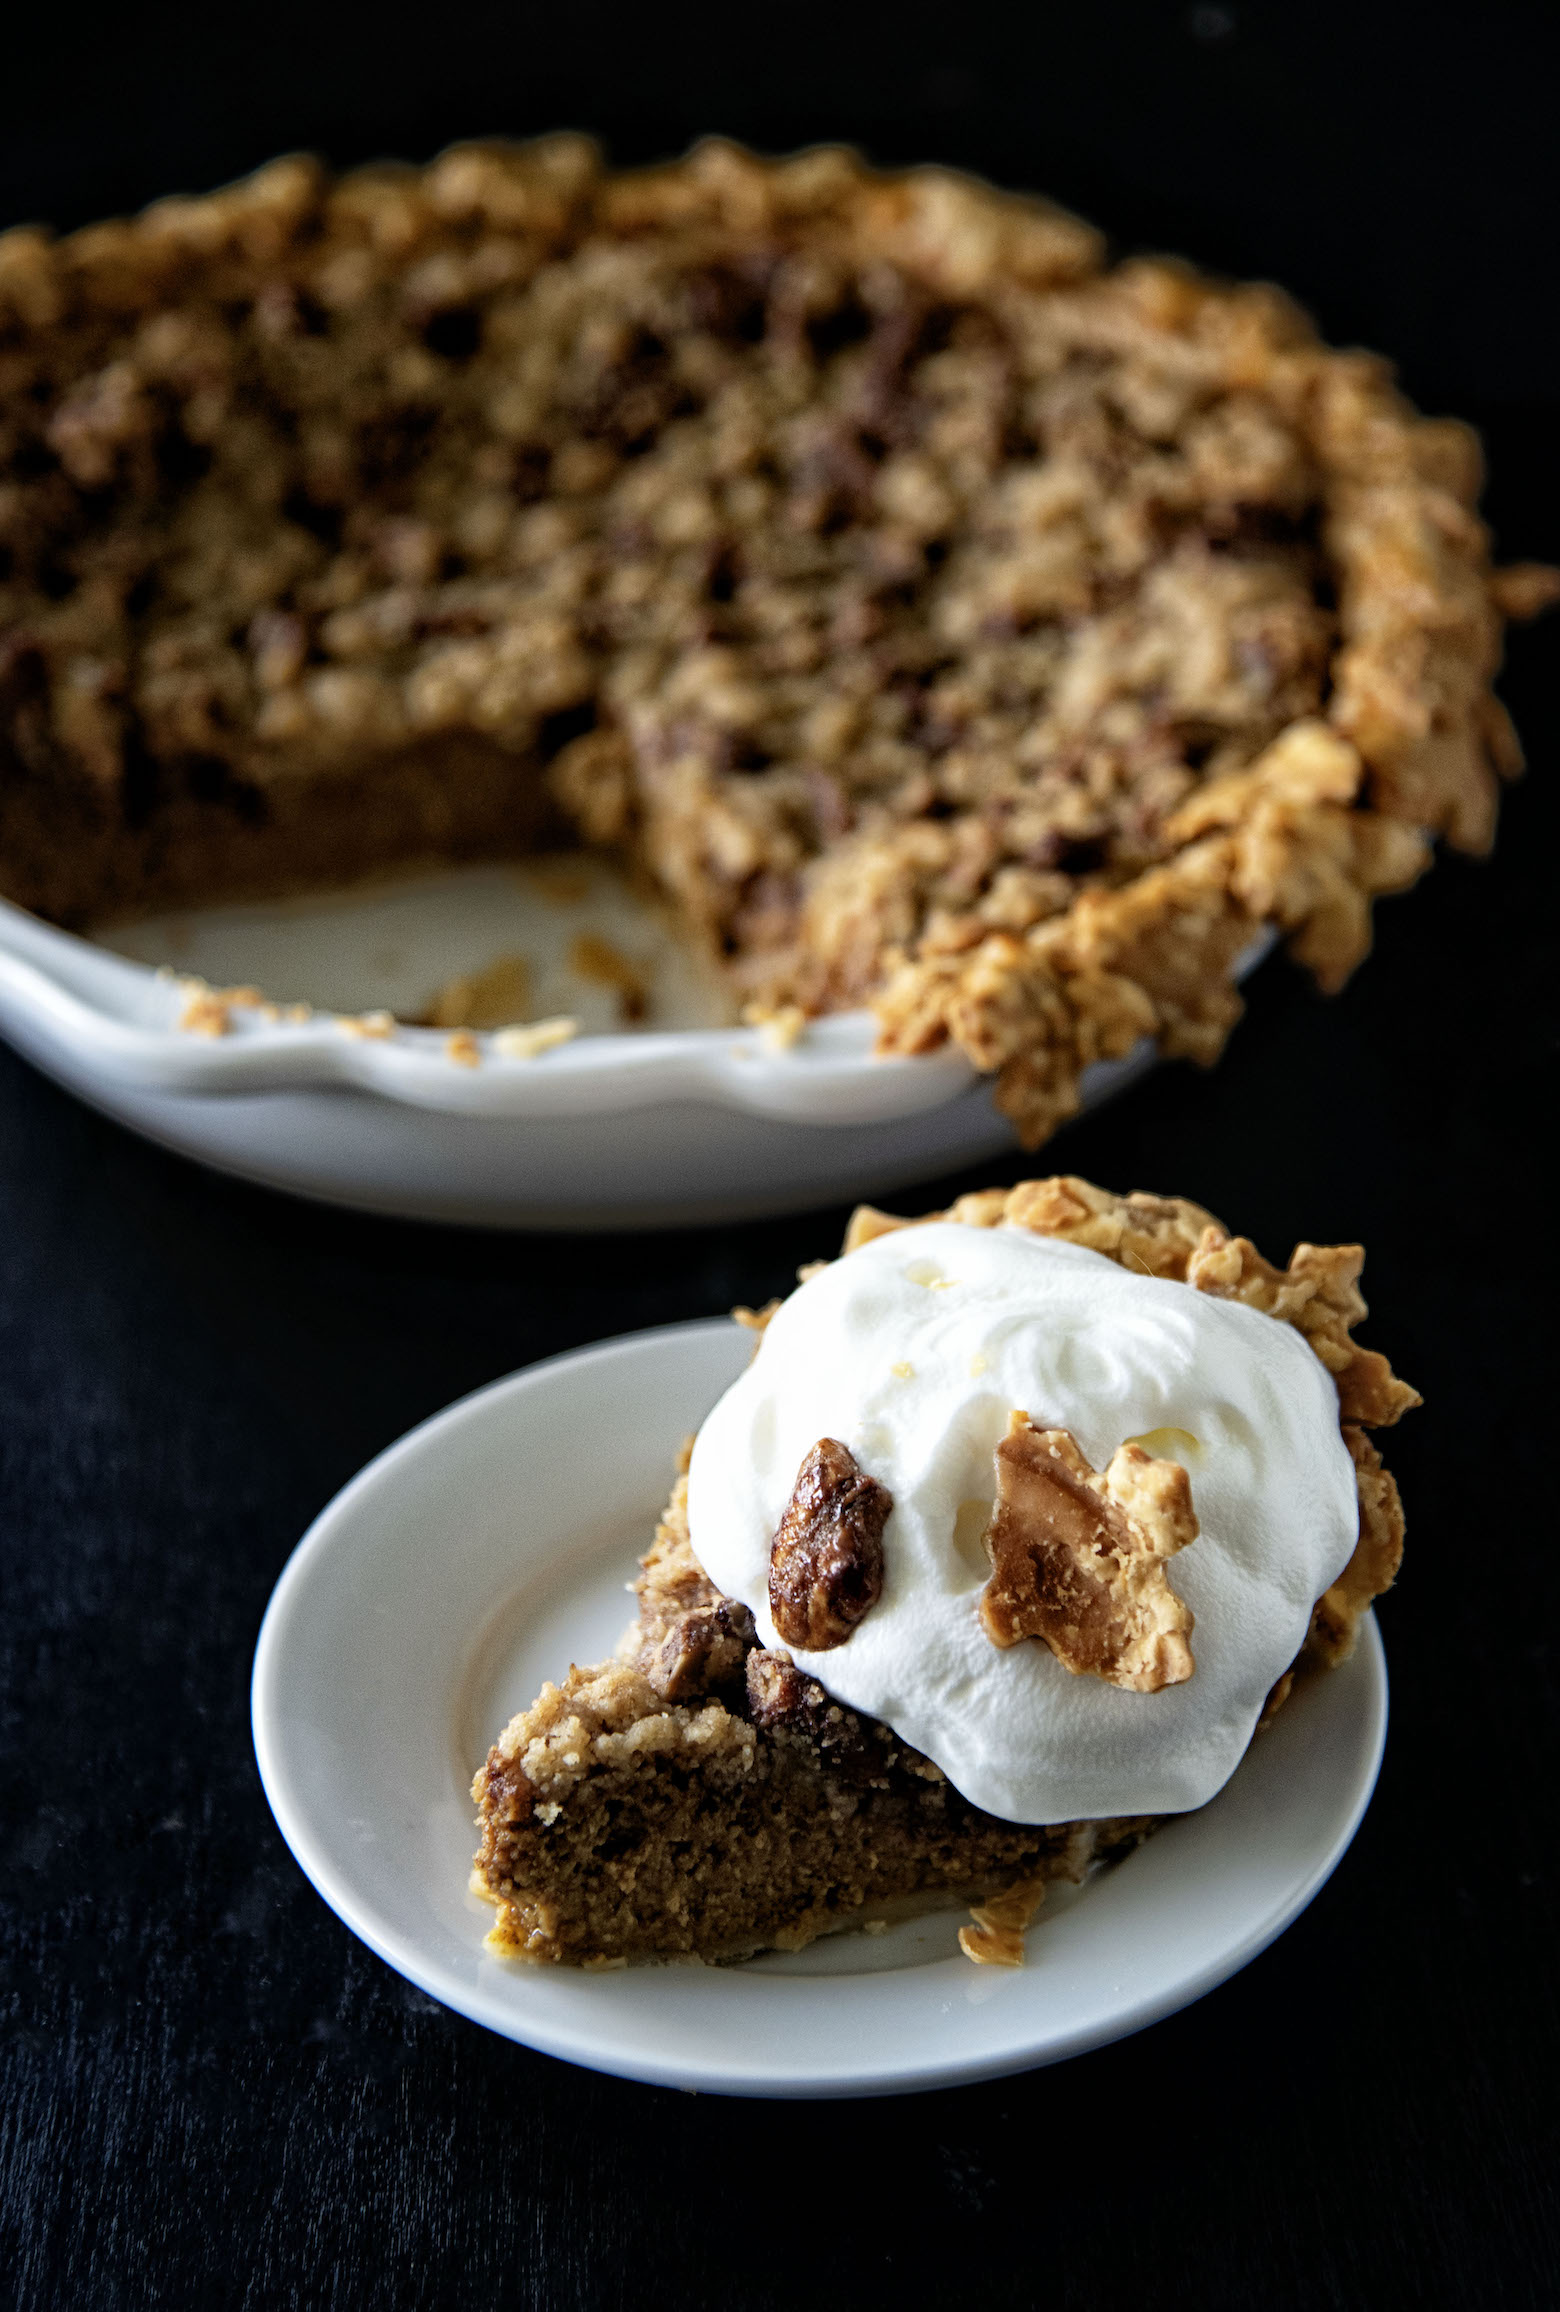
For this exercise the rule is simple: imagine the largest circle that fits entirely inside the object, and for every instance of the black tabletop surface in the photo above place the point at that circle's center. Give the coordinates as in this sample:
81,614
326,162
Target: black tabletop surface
212,2094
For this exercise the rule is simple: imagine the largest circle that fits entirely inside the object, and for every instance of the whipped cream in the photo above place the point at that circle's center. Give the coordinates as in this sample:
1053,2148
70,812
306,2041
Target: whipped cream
913,1351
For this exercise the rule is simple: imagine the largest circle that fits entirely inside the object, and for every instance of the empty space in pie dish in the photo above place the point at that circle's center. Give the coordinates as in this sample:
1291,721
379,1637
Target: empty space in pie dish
566,934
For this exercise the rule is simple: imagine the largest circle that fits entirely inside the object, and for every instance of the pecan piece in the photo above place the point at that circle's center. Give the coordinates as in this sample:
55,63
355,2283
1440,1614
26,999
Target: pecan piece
826,1560
702,1649
1078,1558
779,1694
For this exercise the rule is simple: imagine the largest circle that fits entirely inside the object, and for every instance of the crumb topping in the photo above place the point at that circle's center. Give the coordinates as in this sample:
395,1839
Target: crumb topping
1078,1558
605,965
755,1320
367,1027
781,1028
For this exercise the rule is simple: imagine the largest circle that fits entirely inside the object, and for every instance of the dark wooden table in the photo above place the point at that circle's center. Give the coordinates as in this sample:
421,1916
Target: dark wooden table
210,2094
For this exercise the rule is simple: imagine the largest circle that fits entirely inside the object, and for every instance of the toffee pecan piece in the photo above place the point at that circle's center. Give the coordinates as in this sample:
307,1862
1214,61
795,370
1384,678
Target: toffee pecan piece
702,1649
826,1560
1078,1558
779,1694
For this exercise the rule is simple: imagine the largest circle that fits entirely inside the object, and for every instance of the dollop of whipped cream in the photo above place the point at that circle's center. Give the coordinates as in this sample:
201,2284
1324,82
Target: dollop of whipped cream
913,1352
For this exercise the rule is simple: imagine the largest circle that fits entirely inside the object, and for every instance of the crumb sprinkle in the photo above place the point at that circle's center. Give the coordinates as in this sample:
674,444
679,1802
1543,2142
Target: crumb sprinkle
781,1027
529,1042
208,1011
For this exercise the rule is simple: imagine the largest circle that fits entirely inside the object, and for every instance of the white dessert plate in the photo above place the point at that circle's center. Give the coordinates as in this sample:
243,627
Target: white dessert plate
688,1118
490,1547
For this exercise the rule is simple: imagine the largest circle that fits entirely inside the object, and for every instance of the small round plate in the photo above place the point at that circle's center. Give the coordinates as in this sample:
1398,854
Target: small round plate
492,1546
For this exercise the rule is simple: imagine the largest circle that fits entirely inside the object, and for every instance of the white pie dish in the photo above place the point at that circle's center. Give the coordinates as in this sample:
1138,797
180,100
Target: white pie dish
424,1606
628,1129
686,1122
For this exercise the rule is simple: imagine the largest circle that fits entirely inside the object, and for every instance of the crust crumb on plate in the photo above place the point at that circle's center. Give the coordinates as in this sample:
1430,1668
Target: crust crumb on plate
995,1935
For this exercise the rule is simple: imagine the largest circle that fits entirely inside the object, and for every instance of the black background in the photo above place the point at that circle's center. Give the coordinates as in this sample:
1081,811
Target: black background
211,2093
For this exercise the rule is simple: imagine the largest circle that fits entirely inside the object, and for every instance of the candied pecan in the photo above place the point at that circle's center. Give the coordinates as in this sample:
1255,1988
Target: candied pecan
826,1559
702,1649
779,1694
1078,1557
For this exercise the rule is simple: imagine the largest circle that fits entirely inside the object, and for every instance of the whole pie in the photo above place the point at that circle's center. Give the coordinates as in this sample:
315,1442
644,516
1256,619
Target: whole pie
1048,1693
941,619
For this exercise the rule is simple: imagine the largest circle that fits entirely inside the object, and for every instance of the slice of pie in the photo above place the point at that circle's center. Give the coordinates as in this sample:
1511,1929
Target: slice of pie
707,1794
937,617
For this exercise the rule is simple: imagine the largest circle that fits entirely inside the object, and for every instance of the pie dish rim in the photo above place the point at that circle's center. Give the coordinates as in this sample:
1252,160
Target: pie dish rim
121,1019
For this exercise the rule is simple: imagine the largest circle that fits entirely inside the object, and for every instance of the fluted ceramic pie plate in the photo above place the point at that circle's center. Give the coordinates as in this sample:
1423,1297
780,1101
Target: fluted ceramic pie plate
489,1549
687,1119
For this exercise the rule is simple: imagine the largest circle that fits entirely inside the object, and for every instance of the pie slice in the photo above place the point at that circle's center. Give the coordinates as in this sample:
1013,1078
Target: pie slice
703,1796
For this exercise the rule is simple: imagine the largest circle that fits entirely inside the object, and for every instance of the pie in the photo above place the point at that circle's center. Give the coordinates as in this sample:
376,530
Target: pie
940,619
703,1796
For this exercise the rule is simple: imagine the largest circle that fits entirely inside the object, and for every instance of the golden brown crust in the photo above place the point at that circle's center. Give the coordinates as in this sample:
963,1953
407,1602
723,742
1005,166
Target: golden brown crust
1318,1295
1374,1565
1277,844
995,1935
943,619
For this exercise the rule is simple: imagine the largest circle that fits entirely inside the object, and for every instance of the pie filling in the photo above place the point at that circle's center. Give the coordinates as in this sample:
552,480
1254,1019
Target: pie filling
706,1794
937,618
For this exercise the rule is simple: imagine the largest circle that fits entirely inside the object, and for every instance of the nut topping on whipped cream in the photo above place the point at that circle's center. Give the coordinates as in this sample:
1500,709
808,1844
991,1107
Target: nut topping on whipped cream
1078,1558
986,1319
826,1560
